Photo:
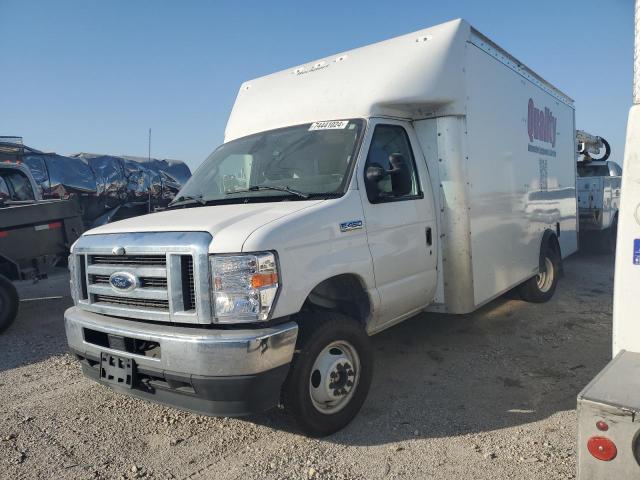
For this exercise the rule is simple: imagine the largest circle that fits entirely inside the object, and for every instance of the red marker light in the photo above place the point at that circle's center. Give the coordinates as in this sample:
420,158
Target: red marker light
602,448
602,426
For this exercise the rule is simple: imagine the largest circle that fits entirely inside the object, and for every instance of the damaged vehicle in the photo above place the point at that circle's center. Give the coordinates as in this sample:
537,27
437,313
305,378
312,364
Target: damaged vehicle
108,187
35,234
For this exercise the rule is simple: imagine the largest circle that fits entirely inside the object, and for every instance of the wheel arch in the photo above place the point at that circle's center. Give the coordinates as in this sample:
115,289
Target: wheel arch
550,240
9,269
345,293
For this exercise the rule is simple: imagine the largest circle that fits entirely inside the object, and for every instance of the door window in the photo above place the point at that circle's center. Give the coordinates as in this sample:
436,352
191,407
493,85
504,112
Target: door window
18,185
390,170
4,190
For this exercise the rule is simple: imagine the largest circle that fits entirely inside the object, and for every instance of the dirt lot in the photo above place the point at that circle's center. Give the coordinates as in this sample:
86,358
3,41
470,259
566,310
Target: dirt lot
483,396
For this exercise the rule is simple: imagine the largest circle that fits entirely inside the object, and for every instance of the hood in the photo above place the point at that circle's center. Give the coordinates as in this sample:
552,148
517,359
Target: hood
230,225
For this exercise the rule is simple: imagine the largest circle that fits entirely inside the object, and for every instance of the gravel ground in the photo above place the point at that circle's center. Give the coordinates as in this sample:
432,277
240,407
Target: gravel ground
484,396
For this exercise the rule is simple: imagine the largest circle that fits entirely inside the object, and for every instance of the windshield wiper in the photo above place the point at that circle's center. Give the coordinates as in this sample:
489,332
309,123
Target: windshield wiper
188,199
257,188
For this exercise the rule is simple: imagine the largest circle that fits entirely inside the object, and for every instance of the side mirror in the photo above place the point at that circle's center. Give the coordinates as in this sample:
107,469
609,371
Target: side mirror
372,175
401,181
375,172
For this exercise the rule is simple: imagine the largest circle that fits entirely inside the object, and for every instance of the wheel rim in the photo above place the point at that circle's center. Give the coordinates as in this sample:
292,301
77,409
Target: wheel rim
334,377
545,279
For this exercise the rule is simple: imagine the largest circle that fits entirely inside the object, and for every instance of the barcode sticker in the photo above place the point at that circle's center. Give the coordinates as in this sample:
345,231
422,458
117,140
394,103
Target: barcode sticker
329,125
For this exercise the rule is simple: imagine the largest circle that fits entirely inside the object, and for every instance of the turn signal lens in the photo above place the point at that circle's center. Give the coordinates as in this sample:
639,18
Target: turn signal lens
602,448
264,280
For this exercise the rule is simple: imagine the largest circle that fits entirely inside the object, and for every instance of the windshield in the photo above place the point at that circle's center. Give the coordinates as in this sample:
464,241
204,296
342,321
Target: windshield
313,160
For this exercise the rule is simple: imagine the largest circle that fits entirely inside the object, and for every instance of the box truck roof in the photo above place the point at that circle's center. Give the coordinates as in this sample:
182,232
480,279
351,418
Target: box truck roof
418,75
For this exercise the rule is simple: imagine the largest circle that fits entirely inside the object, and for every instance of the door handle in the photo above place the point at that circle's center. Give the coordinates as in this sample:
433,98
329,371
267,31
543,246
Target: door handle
428,233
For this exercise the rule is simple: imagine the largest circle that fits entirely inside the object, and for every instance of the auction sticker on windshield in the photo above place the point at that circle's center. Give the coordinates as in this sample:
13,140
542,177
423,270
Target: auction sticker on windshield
329,125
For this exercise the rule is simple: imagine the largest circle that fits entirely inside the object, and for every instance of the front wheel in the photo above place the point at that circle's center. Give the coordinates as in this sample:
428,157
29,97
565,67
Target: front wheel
330,375
540,289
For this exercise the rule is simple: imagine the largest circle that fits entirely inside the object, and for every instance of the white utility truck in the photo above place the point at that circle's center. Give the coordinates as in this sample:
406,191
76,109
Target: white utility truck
432,171
609,407
598,191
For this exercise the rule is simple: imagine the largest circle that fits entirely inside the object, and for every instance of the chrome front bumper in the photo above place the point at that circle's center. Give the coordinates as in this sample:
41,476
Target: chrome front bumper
208,371
185,350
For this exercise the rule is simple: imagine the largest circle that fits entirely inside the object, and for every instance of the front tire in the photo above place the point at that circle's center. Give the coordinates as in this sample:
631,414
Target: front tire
540,289
330,374
9,303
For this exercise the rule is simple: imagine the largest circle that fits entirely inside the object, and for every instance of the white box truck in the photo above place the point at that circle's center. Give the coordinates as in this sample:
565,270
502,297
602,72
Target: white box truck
432,171
609,406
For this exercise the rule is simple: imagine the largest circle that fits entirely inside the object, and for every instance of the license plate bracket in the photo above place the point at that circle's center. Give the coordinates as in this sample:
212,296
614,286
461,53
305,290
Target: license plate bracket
116,370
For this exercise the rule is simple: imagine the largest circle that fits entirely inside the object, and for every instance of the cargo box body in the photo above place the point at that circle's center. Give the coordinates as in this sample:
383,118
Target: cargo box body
503,180
498,140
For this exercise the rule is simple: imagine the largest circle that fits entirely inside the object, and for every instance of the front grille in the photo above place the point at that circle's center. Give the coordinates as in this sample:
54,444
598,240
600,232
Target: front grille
150,282
133,302
146,260
152,293
188,286
99,279
163,277
145,282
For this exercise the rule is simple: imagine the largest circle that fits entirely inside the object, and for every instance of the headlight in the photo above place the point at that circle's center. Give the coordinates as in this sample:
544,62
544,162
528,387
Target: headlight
244,286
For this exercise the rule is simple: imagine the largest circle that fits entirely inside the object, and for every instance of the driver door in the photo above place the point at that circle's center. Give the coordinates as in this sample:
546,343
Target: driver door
401,226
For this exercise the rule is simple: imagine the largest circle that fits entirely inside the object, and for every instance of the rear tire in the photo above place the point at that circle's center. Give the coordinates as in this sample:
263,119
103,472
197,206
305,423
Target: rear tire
540,289
9,303
330,374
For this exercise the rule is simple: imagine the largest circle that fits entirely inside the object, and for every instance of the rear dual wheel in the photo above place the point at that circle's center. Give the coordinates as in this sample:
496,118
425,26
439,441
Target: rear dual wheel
330,374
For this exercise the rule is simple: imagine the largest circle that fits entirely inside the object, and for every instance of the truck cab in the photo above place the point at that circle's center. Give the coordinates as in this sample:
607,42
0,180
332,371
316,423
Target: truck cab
47,227
370,195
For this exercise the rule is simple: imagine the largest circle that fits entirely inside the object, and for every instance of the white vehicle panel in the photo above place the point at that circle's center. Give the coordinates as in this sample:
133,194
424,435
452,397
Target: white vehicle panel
598,201
590,192
229,225
418,75
312,247
419,72
626,301
519,185
404,262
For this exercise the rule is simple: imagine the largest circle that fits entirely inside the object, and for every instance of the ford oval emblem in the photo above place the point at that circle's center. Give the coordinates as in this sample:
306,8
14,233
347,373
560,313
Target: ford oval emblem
123,281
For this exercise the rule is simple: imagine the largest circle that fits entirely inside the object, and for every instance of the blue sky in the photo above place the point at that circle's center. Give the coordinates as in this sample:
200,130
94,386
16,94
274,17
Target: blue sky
93,76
